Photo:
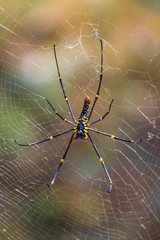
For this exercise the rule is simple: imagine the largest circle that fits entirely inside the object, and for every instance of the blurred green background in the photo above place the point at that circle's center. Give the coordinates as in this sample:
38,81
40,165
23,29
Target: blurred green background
78,205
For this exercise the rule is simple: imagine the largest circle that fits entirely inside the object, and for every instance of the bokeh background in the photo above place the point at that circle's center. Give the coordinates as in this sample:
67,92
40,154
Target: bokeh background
78,205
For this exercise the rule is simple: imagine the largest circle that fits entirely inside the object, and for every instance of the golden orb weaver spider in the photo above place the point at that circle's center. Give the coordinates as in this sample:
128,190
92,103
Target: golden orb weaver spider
81,127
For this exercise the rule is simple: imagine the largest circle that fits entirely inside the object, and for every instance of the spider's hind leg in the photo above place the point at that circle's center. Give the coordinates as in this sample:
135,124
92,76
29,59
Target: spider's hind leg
60,80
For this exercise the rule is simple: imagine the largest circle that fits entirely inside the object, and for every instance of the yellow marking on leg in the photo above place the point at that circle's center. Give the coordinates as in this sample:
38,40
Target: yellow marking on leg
66,99
55,112
30,144
60,78
85,127
100,119
101,73
74,136
112,136
51,137
52,182
86,135
101,159
132,141
85,131
64,120
97,96
110,183
62,160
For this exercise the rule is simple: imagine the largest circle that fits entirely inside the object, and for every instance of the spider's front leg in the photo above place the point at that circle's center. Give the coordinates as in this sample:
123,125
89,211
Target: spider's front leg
62,160
102,162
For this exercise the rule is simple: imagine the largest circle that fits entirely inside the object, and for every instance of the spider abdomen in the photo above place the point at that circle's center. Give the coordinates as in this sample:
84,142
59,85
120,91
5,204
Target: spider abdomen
84,113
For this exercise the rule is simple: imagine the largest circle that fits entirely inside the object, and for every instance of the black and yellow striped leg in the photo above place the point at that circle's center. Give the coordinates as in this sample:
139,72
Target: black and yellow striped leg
62,160
100,119
44,140
60,79
65,120
102,162
100,80
114,137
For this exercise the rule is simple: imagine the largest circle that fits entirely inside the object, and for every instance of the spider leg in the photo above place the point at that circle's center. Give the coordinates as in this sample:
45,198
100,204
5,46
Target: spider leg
100,119
60,79
100,80
44,140
65,120
102,162
62,160
114,137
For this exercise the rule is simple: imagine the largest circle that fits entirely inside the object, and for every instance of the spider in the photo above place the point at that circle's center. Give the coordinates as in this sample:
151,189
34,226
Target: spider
81,128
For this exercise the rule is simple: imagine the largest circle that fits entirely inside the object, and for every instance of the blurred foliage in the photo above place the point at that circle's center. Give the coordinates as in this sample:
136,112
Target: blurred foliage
79,206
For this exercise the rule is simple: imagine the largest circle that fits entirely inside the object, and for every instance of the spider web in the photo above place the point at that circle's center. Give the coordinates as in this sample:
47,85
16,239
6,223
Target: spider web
78,205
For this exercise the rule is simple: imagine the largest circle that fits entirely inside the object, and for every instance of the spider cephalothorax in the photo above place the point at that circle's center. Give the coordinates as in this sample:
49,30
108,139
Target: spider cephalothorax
81,127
